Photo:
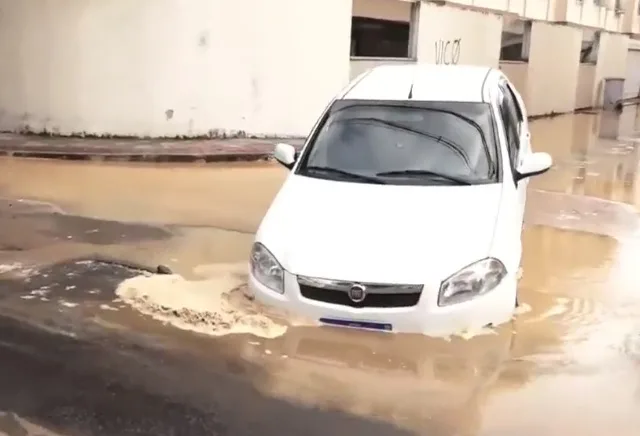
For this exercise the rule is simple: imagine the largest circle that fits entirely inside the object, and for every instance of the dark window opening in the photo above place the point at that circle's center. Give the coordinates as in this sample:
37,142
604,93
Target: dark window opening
589,53
515,41
590,47
376,38
511,52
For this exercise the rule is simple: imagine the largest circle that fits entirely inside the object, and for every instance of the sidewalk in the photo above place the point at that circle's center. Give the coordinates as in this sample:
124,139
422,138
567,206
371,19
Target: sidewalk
139,150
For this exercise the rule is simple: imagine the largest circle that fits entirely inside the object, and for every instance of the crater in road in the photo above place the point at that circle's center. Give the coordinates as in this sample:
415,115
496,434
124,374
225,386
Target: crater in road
214,305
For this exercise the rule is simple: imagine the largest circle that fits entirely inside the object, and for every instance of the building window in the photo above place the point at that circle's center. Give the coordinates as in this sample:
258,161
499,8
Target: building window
590,47
516,39
372,37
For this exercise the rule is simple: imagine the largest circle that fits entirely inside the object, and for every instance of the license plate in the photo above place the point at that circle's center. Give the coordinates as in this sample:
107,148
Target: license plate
366,325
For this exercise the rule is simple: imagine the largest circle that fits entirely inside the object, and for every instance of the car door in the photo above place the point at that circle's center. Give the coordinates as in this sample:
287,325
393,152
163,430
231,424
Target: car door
514,132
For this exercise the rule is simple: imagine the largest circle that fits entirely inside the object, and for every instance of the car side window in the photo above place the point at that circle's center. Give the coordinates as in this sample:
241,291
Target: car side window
511,125
516,105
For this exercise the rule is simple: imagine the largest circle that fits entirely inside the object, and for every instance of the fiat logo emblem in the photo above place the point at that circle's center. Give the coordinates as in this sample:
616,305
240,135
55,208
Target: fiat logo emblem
357,293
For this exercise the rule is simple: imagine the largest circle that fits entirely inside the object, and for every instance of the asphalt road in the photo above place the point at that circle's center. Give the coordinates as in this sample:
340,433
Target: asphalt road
109,386
73,369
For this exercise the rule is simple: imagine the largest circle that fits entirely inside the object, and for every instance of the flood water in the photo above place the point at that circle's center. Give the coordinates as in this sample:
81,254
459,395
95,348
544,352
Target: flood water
569,364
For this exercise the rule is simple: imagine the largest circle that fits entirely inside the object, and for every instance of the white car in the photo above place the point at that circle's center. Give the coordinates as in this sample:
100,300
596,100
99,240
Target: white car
403,212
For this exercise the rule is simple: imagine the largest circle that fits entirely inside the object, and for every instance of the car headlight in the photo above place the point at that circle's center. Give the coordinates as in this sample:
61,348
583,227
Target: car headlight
266,269
471,281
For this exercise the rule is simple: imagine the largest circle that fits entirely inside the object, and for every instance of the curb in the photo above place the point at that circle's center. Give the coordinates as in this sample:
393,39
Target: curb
138,157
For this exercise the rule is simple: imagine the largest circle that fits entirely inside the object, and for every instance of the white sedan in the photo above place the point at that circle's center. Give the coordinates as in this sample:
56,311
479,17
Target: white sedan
403,212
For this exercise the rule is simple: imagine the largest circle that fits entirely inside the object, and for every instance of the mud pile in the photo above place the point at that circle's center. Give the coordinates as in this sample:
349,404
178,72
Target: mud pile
213,305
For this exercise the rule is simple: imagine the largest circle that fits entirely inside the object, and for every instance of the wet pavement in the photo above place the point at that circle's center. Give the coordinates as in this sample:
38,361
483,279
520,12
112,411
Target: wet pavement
76,360
71,370
215,148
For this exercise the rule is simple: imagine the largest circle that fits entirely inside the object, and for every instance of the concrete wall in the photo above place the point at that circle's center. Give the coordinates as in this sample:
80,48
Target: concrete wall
631,19
591,14
444,29
359,66
612,61
556,81
613,21
554,58
568,10
586,83
187,68
632,76
596,14
538,9
518,74
170,67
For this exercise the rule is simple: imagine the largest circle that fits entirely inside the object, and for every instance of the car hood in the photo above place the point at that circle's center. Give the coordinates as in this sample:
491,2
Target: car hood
379,233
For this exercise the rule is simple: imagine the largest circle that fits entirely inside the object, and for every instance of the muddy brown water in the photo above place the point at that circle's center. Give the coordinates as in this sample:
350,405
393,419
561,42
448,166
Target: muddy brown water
571,364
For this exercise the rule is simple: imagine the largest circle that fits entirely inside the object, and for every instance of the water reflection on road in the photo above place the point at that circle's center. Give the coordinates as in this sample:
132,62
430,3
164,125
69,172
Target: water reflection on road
569,365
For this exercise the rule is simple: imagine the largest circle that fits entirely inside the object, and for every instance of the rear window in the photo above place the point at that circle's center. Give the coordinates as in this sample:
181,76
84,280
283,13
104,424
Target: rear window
382,139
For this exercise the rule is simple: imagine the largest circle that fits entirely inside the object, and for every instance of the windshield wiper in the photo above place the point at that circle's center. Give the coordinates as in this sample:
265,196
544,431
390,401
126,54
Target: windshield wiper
426,173
353,176
468,120
480,131
453,146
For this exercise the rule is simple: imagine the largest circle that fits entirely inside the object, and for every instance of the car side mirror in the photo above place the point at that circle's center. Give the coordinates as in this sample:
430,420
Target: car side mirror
534,164
285,154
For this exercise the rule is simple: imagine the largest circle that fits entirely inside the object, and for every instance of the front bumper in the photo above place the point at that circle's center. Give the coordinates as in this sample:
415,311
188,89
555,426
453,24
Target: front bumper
426,317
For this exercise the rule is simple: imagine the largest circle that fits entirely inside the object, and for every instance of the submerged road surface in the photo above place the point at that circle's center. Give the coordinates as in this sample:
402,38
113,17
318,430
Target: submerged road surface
73,362
75,359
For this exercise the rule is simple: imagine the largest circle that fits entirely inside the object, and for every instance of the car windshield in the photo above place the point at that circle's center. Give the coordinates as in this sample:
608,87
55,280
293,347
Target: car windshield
423,143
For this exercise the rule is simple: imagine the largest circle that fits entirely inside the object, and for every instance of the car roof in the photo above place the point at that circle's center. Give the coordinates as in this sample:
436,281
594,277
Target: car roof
423,82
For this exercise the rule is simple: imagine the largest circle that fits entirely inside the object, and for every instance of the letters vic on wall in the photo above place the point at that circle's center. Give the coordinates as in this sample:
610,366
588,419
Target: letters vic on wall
448,51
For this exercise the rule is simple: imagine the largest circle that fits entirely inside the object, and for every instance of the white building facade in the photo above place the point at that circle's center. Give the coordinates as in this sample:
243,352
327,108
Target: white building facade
220,68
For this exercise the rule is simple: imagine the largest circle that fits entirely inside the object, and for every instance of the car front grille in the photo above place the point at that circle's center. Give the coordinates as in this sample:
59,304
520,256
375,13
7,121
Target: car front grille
378,296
